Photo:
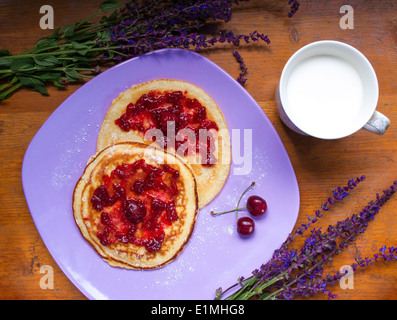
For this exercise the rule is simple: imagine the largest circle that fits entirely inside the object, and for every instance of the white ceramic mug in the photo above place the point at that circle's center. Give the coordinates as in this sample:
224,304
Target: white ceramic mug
329,90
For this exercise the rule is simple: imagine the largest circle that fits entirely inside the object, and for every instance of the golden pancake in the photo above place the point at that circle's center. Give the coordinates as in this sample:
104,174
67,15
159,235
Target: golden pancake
142,113
136,205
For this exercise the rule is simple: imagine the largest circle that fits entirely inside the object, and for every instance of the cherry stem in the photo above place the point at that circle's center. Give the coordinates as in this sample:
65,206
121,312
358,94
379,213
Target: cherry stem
218,213
238,203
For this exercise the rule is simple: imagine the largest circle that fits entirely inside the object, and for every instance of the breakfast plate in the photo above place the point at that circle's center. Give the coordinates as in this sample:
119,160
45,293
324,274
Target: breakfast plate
216,254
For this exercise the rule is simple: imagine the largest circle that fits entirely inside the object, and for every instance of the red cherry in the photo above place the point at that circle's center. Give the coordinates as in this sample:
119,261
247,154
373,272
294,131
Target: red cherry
245,226
256,206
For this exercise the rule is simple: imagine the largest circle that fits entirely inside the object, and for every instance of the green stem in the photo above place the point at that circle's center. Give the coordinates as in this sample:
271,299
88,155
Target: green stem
78,69
99,25
237,295
249,289
59,47
74,59
12,89
22,70
219,213
119,53
77,32
5,75
89,18
56,53
52,69
238,203
273,294
86,76
13,80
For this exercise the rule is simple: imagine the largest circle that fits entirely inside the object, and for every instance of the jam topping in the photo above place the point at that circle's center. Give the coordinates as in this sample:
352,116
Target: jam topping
137,202
176,115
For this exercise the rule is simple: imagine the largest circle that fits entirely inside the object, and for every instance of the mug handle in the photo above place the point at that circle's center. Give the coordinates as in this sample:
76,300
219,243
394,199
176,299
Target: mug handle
378,123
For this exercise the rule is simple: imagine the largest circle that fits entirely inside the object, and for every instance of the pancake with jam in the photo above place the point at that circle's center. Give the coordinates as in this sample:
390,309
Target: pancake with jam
177,116
136,205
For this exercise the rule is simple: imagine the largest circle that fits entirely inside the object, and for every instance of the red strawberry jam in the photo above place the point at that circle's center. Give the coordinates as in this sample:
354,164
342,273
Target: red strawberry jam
162,110
136,201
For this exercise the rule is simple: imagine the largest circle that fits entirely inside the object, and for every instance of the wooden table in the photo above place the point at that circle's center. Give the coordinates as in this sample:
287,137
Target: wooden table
320,166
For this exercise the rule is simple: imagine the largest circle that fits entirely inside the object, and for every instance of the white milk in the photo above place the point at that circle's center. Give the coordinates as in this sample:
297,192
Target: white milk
325,94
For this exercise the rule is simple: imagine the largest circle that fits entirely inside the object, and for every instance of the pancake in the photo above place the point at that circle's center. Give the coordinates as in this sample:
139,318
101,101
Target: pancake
136,205
117,127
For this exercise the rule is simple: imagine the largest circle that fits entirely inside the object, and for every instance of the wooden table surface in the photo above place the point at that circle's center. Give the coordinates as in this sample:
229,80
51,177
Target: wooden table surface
320,165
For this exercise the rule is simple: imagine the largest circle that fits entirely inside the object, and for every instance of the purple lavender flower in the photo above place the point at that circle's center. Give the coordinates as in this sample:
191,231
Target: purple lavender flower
338,194
241,79
294,7
385,254
175,24
291,273
130,30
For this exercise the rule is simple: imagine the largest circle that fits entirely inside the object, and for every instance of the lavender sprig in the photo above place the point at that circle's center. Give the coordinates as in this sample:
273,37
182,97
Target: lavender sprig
337,195
241,79
313,285
76,52
291,273
286,256
294,7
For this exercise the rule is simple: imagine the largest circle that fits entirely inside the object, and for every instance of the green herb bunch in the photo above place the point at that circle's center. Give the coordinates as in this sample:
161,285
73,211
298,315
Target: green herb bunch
63,57
77,52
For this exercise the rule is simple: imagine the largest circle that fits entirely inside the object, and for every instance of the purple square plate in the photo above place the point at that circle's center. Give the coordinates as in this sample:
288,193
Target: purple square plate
216,255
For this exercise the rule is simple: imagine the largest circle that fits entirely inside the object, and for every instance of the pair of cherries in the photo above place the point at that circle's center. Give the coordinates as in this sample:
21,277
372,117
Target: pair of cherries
256,206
